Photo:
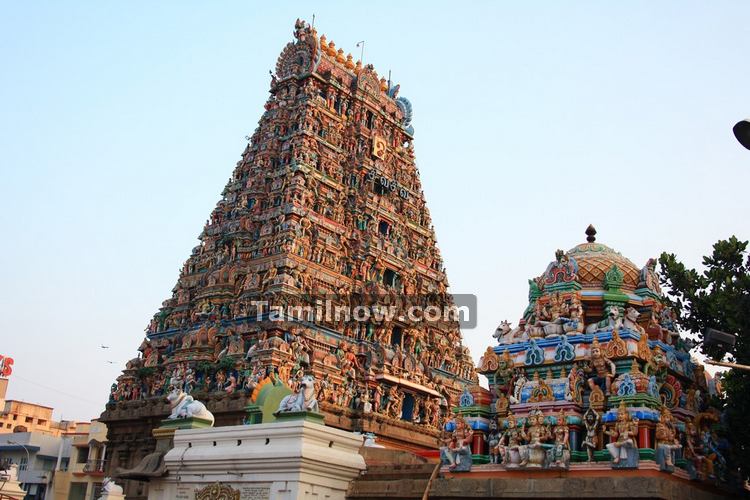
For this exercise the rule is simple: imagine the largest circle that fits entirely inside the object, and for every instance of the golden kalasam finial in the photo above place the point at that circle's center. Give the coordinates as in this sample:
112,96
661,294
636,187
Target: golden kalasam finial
331,48
349,61
383,84
358,67
340,56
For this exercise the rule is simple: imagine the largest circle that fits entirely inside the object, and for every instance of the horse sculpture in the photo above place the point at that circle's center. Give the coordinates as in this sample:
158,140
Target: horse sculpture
184,406
303,399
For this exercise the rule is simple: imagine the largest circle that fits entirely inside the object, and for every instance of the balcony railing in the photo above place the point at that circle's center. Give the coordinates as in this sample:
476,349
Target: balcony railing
95,466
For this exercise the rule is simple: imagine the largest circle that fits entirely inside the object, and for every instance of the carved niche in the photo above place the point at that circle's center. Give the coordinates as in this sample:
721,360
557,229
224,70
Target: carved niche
217,491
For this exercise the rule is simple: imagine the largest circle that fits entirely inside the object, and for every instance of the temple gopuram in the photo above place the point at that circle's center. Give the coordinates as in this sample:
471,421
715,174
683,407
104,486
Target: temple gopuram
593,394
323,210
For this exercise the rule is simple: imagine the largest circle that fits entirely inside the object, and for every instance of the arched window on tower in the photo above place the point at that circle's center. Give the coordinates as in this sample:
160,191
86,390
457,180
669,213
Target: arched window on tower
407,411
390,278
396,335
384,228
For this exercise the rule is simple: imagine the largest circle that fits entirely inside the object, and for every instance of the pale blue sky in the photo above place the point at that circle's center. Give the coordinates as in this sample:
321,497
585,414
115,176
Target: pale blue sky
121,122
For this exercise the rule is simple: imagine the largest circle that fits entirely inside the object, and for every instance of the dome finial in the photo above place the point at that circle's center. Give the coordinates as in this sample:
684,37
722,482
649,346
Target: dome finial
591,233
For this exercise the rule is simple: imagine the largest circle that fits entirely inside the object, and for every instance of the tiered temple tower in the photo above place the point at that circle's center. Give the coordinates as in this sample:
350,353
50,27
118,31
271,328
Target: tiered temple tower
325,205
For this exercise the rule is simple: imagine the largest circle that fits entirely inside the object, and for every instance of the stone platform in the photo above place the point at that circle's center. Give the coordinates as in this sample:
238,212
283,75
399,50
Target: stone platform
492,481
289,459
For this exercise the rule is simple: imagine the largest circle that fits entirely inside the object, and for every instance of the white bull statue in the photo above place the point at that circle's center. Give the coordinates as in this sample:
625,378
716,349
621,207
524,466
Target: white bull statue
303,399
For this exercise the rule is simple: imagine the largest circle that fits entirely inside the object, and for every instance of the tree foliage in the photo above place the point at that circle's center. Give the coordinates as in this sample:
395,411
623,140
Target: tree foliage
719,297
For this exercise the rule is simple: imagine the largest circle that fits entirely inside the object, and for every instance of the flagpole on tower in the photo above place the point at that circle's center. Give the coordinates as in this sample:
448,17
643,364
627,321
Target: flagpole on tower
362,52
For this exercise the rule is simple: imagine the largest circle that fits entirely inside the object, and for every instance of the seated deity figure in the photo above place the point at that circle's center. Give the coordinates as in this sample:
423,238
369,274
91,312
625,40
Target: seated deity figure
667,443
456,452
624,445
603,367
538,433
573,324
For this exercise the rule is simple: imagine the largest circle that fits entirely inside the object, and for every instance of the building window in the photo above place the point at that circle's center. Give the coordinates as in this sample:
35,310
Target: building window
29,420
83,455
384,228
77,491
23,464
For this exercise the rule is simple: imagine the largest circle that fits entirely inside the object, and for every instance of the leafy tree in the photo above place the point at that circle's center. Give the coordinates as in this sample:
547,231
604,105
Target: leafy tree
719,297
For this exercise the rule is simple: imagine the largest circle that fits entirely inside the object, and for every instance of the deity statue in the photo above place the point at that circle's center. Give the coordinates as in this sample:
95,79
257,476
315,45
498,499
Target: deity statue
377,400
623,434
538,433
591,441
559,455
504,372
603,367
395,402
573,324
516,453
518,385
493,439
501,405
667,443
456,451
649,278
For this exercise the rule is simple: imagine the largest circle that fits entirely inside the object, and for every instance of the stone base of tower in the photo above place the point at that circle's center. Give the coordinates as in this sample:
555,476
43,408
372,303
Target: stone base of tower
294,459
492,481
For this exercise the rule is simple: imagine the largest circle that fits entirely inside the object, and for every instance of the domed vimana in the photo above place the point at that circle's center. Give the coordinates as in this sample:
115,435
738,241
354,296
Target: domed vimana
595,377
324,205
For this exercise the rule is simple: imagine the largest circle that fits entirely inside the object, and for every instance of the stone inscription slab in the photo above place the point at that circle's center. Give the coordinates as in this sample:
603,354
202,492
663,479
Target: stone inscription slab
255,492
184,493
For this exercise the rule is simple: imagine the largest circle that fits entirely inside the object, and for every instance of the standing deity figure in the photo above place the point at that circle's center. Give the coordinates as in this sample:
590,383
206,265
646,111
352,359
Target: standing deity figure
603,367
504,372
559,455
623,435
590,442
456,452
518,386
516,453
365,400
377,399
493,443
